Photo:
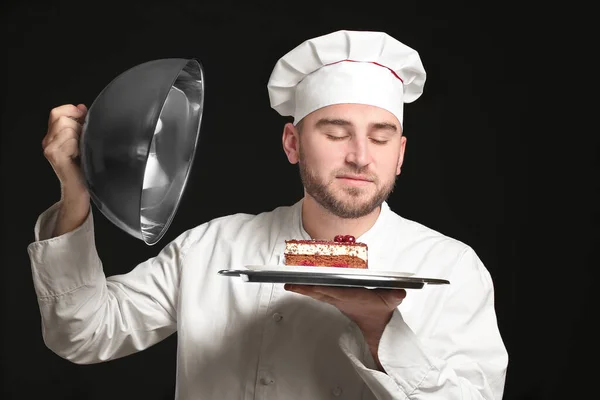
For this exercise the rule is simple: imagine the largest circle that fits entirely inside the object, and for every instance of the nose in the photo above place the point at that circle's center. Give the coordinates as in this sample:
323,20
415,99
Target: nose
358,152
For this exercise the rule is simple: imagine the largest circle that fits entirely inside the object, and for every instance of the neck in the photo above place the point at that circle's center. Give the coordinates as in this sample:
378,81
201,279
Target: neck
320,223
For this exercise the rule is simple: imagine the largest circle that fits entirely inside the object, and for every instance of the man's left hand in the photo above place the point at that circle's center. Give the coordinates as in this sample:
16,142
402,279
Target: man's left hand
370,309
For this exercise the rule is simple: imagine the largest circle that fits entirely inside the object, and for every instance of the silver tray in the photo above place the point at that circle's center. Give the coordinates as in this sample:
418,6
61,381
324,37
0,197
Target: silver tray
332,279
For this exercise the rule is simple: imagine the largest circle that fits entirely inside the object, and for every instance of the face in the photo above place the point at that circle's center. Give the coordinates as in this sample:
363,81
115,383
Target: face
349,156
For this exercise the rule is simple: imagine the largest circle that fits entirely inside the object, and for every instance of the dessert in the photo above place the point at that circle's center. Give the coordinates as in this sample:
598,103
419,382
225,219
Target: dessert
342,252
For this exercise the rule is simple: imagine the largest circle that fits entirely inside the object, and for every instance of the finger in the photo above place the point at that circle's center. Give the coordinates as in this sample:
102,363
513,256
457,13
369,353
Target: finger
68,110
55,149
391,293
341,293
57,128
297,288
70,147
392,298
64,148
84,111
304,289
344,293
309,291
62,133
61,157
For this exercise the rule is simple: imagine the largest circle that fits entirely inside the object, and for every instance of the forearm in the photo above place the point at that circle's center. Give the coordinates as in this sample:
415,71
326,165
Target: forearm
372,330
86,317
97,322
409,370
72,213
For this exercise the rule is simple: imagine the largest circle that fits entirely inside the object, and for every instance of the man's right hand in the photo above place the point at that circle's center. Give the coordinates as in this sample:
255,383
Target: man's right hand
61,148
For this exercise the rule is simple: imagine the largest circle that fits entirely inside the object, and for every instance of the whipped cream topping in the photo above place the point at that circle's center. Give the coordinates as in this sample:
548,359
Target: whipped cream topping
326,249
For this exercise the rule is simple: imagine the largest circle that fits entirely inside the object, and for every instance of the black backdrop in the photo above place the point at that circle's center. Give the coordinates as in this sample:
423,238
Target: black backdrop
484,163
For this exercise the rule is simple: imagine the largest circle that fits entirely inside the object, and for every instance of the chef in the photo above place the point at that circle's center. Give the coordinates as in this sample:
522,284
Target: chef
236,340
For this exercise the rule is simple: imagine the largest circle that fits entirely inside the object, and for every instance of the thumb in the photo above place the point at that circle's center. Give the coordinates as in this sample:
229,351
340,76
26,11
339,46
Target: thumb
392,297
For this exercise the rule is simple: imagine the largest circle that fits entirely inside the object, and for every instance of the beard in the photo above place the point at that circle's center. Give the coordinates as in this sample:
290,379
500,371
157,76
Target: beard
351,205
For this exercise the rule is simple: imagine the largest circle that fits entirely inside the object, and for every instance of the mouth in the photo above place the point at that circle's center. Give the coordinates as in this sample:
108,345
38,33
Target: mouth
354,180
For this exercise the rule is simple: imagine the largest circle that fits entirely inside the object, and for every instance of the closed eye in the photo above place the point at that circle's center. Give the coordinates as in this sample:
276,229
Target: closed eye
336,138
380,142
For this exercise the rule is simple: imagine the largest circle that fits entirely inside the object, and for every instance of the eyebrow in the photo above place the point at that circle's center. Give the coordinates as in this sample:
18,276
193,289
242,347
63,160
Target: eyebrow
337,122
387,126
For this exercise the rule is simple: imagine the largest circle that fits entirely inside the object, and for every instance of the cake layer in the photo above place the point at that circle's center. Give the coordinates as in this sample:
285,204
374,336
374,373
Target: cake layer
324,248
340,261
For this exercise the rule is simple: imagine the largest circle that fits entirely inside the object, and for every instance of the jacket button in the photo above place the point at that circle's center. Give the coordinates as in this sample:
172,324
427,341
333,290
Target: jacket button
267,380
277,317
337,391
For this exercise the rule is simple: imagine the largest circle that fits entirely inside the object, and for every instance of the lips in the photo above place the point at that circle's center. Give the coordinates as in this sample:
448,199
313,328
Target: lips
355,178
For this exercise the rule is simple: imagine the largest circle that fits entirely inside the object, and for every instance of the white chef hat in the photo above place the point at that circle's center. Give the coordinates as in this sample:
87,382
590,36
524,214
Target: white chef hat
346,67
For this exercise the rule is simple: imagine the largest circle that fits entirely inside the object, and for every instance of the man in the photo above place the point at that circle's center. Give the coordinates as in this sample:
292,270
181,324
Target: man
240,340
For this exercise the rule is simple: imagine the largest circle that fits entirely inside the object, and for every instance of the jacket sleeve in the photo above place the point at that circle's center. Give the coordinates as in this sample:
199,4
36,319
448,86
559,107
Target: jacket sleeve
464,358
89,318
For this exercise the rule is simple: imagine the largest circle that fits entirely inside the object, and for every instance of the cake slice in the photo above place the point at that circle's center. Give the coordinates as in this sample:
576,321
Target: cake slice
342,252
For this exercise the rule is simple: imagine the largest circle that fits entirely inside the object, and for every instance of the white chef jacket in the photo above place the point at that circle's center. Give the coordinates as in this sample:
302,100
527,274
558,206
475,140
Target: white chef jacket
240,340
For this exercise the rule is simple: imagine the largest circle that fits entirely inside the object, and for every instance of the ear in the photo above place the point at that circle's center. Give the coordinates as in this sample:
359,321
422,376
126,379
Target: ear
291,141
401,154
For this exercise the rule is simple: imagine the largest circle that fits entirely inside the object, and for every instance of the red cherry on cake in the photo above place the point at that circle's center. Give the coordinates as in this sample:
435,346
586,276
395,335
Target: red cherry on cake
339,238
349,239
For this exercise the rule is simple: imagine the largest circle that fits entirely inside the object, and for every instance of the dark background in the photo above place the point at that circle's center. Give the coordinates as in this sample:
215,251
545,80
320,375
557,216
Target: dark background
486,162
